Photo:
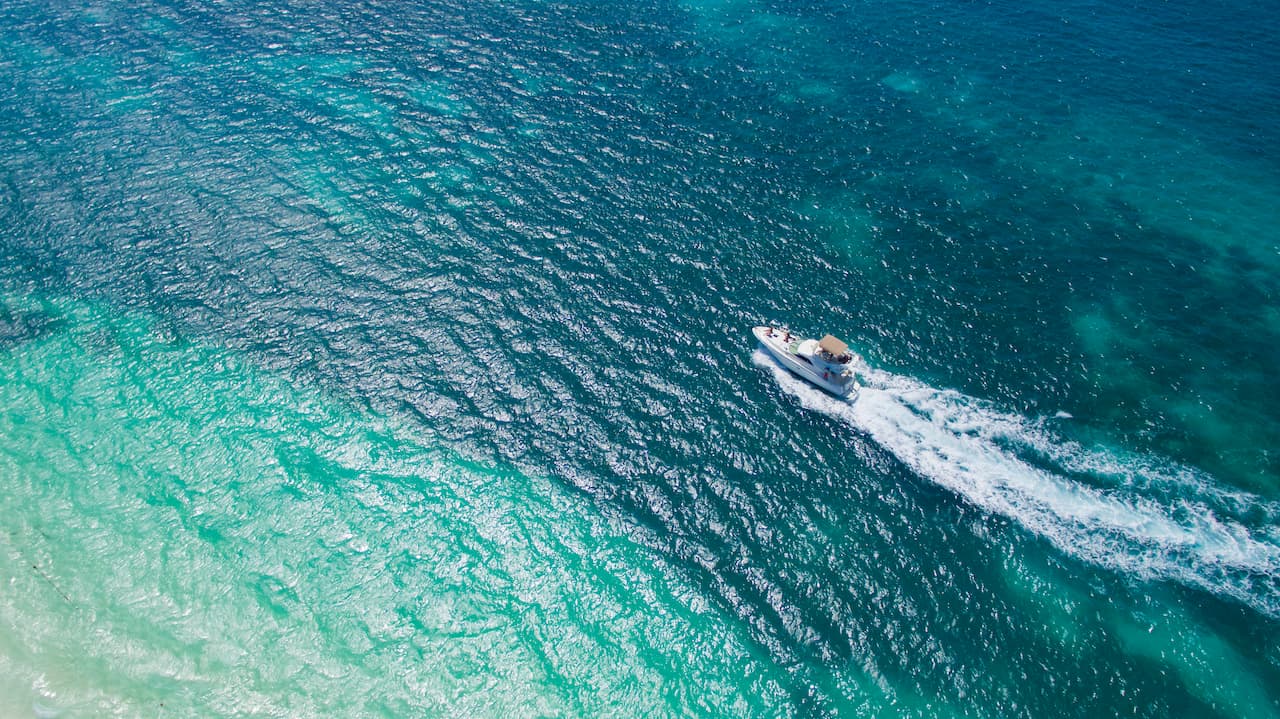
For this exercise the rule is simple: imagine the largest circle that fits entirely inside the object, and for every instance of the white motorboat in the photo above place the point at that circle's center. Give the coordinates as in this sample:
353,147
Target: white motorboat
825,363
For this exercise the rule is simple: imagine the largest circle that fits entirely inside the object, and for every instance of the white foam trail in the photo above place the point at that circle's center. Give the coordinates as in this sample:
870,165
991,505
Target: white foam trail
1135,513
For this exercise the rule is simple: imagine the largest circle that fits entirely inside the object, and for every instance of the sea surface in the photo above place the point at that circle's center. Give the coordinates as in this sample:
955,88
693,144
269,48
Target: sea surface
394,359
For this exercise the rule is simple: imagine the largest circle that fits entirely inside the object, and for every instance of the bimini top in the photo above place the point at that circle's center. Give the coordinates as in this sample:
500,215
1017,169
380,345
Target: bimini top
833,346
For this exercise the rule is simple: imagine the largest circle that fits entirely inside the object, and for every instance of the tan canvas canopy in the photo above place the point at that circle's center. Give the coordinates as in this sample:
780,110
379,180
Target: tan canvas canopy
833,345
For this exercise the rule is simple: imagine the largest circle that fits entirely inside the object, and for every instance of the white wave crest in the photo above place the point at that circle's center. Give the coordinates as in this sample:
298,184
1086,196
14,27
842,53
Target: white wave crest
1136,513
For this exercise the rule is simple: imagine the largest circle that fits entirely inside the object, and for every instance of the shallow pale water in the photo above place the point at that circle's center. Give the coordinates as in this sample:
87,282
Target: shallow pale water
392,360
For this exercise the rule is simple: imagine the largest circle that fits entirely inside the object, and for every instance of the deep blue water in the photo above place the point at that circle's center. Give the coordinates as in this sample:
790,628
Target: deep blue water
388,359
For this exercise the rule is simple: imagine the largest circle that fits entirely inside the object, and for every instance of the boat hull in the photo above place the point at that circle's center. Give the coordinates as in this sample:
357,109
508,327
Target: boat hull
773,340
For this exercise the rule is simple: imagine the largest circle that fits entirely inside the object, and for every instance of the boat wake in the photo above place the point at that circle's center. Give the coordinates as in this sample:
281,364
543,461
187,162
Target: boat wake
1135,513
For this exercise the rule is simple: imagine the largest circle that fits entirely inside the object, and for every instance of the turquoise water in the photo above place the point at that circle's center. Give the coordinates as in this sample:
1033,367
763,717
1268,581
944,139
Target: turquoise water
386,360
